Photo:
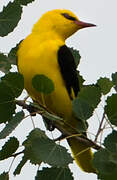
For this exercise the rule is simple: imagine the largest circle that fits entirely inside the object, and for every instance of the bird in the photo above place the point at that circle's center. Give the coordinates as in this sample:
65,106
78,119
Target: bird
44,52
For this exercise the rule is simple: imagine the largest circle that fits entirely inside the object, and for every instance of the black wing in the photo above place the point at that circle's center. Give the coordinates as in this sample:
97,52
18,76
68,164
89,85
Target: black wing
68,69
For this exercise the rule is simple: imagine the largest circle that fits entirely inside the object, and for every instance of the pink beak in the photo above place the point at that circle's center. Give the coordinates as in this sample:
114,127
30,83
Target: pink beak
84,24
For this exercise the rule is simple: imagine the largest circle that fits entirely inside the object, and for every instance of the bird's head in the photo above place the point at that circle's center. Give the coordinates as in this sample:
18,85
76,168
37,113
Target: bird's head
61,21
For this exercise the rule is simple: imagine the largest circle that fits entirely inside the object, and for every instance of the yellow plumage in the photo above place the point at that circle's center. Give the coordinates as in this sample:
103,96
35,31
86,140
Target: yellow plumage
38,54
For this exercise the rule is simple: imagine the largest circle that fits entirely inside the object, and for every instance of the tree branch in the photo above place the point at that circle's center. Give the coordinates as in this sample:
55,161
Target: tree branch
58,123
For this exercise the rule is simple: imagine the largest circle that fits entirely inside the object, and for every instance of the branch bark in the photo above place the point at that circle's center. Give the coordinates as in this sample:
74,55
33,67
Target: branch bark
58,123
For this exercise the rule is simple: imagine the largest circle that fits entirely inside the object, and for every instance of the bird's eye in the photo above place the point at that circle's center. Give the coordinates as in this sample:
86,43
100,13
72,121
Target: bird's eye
67,16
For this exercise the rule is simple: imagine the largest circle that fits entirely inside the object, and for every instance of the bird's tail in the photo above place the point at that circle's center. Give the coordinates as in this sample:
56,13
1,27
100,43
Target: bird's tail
82,155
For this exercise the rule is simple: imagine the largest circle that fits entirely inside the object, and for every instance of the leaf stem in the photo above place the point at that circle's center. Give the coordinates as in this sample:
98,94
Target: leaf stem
43,99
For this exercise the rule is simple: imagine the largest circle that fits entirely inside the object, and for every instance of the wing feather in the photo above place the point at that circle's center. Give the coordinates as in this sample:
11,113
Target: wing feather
68,70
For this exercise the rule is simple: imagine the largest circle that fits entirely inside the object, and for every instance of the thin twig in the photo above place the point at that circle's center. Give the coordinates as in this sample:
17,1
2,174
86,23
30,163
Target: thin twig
25,99
107,120
11,164
16,154
100,127
32,122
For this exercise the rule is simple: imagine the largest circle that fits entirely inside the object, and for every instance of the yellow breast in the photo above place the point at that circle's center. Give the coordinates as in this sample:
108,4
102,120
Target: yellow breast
37,57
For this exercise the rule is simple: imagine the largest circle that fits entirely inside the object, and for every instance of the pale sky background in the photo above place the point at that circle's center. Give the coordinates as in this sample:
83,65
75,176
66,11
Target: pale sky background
97,47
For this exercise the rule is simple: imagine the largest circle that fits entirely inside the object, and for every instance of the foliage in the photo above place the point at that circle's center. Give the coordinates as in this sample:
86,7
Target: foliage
11,86
38,148
51,173
5,65
9,17
46,150
4,176
105,85
76,55
13,123
87,100
9,148
105,160
42,84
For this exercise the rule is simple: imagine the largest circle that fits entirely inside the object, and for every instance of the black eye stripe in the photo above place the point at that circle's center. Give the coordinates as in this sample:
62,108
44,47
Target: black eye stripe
67,16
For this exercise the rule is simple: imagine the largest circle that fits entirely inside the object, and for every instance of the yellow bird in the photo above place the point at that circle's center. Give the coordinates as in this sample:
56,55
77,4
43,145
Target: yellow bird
44,52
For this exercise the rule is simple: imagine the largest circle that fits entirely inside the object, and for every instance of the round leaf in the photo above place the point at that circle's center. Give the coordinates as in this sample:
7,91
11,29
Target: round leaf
42,84
91,95
87,100
47,150
102,162
15,81
54,173
110,142
105,84
112,176
111,109
82,109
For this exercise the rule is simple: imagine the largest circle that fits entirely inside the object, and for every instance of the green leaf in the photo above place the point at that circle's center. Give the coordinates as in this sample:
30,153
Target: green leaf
111,109
105,84
5,65
102,161
7,61
12,56
51,153
9,148
12,124
82,109
34,134
114,78
28,155
7,104
112,176
76,55
25,2
28,152
20,165
54,173
87,100
115,87
10,17
47,150
42,84
15,81
4,176
80,79
110,142
91,94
